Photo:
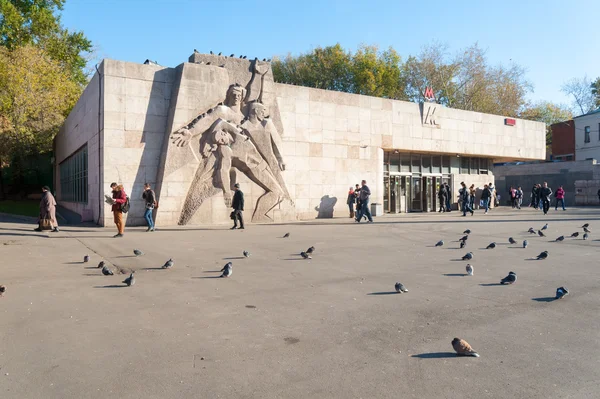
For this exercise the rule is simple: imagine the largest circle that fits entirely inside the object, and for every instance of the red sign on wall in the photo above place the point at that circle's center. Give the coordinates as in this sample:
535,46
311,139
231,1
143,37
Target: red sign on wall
510,121
429,93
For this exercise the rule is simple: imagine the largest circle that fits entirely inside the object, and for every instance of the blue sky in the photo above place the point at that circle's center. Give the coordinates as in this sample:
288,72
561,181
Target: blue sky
554,40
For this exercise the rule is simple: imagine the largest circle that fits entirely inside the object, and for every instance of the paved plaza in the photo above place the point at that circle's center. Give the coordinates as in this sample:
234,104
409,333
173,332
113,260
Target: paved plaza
284,327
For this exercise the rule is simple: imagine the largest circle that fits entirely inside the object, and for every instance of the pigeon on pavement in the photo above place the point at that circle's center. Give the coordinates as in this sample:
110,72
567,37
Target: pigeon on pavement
2,290
585,236
440,243
305,255
510,279
561,291
561,238
587,230
464,238
225,267
463,244
525,243
137,252
511,240
227,270
463,348
542,255
101,264
575,235
531,230
400,288
468,256
86,259
286,235
168,264
469,269
545,226
246,254
585,226
310,250
107,272
467,231
130,280
541,234
491,246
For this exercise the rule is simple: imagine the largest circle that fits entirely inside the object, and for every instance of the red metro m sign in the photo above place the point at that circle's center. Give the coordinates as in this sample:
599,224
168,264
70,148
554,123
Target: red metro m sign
510,121
429,96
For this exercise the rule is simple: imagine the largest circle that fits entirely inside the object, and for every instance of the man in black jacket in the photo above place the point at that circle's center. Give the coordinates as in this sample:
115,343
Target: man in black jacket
238,206
545,193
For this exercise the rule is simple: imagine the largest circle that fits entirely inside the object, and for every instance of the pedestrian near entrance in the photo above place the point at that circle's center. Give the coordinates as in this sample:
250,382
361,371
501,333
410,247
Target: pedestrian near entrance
519,197
472,193
364,195
493,196
119,199
150,201
486,196
512,192
534,195
448,198
238,207
464,197
560,197
442,198
47,219
351,201
545,194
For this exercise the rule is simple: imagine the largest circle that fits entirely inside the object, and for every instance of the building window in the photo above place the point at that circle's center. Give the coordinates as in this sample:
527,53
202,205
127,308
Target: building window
587,135
483,166
394,162
464,165
445,164
569,157
404,162
74,177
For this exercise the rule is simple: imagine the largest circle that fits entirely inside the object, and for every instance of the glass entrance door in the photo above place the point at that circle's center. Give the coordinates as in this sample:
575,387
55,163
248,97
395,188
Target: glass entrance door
416,195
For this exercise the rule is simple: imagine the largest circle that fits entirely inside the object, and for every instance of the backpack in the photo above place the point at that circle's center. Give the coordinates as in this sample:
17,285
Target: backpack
126,205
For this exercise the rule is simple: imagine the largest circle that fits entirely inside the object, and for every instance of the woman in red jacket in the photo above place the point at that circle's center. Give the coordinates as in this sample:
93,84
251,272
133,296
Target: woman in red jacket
560,196
119,198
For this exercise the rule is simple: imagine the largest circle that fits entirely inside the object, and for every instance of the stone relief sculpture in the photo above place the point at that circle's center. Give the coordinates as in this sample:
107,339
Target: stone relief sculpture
235,135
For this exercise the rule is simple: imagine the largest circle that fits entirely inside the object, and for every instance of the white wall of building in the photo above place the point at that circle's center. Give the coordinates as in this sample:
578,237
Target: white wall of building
591,149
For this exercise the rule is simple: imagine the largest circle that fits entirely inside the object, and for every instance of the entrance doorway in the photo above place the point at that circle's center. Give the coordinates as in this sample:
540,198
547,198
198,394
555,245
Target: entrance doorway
416,195
395,194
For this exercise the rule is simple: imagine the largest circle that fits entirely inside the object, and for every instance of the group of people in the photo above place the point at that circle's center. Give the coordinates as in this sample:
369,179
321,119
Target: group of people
541,197
466,198
359,197
516,196
444,196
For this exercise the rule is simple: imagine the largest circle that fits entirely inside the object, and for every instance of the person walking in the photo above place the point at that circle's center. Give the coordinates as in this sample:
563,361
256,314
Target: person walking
364,195
519,197
464,197
351,201
448,198
119,198
513,197
150,200
47,211
545,194
533,203
486,196
442,198
493,196
560,197
238,207
472,194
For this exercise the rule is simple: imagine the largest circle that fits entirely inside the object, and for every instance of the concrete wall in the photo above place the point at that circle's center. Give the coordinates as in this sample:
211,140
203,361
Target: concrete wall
81,128
136,105
567,174
589,150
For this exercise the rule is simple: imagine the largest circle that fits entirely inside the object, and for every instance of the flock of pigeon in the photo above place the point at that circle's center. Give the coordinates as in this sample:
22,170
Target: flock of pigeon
461,347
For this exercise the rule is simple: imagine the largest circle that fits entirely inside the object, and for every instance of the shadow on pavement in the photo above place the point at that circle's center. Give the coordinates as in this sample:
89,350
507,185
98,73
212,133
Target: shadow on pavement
544,299
435,355
490,284
234,257
384,293
455,274
111,286
209,277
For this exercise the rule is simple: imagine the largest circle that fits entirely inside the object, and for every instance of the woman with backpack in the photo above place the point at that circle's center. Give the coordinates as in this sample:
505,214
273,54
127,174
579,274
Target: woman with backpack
120,205
560,197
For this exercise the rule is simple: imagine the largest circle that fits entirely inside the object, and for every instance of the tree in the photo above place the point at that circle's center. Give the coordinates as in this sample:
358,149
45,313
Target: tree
466,81
581,91
37,22
368,71
549,113
36,95
596,92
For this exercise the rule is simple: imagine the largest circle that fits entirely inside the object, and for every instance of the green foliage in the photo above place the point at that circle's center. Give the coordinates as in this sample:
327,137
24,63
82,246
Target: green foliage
37,22
36,95
368,71
24,207
549,113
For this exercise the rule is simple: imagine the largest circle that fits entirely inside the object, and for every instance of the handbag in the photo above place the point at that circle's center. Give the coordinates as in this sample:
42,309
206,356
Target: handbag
232,215
45,224
155,204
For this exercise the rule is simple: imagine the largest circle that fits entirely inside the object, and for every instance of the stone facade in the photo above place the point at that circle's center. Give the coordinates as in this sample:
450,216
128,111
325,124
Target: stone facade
321,142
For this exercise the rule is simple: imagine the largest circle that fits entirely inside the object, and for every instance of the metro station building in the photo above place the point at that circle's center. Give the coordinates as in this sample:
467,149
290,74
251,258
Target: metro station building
194,130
